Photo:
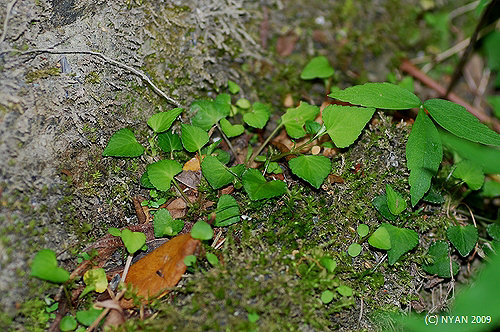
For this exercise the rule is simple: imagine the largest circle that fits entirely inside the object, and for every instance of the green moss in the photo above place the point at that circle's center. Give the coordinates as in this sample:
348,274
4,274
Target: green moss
43,73
92,78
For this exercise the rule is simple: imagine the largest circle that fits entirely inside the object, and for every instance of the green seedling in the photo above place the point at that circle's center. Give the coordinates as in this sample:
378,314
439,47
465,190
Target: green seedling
233,87
439,253
397,241
258,115
202,231
258,188
165,225
362,230
193,138
95,280
328,263
345,290
227,212
327,296
162,121
44,266
317,67
68,323
395,201
87,317
253,317
133,242
190,260
313,169
354,249
123,144
243,103
212,259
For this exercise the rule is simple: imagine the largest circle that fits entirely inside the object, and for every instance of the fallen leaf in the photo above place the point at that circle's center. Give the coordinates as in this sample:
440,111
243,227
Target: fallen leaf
190,179
177,208
161,269
192,164
286,44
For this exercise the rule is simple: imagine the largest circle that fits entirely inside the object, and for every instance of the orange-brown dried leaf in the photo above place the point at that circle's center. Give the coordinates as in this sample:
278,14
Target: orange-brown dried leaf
161,269
192,165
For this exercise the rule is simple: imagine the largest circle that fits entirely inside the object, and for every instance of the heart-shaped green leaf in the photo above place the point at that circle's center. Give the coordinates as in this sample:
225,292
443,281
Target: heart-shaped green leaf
458,121
67,323
133,241
439,253
162,121
193,138
378,95
424,153
87,317
231,130
327,296
402,241
258,188
395,201
470,173
123,144
212,259
95,280
380,203
44,266
169,142
258,116
344,123
318,67
227,212
328,263
464,238
215,172
295,118
202,231
380,239
233,87
313,169
209,112
162,172
165,225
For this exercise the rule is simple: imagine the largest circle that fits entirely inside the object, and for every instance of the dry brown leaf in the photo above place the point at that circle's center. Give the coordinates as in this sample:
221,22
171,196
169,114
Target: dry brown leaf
161,269
192,165
286,44
177,208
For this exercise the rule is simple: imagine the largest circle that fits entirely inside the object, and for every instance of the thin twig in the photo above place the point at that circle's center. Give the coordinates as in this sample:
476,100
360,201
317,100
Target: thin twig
236,156
107,59
6,22
105,312
127,266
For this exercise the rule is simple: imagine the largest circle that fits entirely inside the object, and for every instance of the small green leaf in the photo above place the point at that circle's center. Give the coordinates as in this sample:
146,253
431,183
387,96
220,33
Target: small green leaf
189,260
439,252
362,230
212,259
470,173
354,249
395,201
144,180
227,212
313,169
344,290
402,241
258,188
165,225
202,231
193,138
223,156
494,231
464,238
424,153
312,127
123,144
380,203
491,189
328,263
87,317
318,67
258,117
162,121
215,172
133,241
209,112
295,118
488,157
231,130
433,196
253,317
380,239
458,121
243,103
233,87
344,123
274,168
378,95
327,297
114,231
161,173
95,280
209,149
169,142
67,323
44,266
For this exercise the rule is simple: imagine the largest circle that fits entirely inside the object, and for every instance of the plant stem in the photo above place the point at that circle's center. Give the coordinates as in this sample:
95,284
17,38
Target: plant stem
127,266
186,199
68,298
293,151
259,150
238,160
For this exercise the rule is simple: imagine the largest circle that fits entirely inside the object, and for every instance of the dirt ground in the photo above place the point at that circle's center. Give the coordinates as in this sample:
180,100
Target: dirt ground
58,110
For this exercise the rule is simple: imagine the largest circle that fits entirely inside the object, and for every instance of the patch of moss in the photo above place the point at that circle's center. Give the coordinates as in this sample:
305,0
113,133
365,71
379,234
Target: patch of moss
43,73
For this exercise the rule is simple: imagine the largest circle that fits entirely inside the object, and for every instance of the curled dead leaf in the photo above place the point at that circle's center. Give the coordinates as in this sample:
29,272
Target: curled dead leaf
161,269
